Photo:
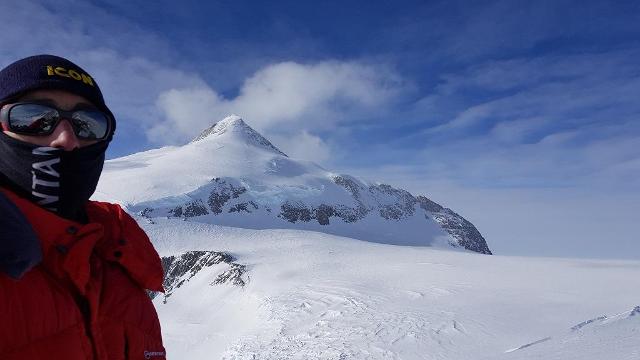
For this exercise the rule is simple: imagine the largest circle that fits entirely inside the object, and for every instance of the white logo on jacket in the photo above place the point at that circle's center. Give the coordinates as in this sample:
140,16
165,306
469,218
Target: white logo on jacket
150,354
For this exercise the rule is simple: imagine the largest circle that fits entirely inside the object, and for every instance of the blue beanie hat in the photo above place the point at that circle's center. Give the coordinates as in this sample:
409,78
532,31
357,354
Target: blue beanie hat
49,72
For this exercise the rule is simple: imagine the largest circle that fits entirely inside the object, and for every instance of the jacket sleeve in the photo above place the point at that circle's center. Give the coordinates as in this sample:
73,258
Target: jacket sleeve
20,250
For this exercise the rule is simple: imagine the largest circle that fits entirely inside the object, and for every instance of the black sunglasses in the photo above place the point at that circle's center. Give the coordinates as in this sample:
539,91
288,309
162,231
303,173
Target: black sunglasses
29,118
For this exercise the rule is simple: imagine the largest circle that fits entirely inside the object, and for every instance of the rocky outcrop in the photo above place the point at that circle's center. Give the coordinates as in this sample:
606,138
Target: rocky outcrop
247,207
402,205
298,211
428,205
462,230
222,193
181,268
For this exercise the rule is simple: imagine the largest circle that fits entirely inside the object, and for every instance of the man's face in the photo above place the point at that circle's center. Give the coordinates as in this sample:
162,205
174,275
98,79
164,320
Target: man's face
63,136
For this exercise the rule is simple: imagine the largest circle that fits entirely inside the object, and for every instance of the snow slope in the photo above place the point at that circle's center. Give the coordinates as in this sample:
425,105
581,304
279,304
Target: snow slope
309,295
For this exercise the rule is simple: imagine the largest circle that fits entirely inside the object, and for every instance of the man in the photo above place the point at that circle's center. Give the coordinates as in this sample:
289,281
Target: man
73,272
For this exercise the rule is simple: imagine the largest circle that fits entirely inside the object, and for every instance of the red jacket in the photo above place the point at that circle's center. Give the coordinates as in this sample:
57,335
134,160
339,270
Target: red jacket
86,299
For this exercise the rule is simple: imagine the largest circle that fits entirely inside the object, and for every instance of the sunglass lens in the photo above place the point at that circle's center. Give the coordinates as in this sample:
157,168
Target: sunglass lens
90,124
32,119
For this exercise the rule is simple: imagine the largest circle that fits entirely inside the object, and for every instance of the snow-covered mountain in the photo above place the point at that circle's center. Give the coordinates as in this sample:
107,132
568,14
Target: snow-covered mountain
231,175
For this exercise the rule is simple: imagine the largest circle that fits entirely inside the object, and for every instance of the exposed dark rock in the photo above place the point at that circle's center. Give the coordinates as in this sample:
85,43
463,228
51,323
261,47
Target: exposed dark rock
235,192
462,230
232,276
392,212
349,184
223,193
349,214
190,209
217,200
428,205
587,322
180,269
176,211
195,208
246,207
298,211
146,214
323,213
403,205
295,211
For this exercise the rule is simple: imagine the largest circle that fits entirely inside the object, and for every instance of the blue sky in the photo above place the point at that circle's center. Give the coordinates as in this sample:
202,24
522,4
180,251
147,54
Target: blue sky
522,116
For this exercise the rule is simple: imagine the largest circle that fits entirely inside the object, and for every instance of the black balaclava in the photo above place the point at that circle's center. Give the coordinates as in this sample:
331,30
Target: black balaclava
60,181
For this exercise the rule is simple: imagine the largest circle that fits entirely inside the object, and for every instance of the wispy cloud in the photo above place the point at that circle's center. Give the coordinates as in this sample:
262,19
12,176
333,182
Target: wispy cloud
535,122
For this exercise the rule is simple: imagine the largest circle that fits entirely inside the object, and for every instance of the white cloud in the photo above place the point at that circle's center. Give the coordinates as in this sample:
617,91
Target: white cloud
185,112
285,92
303,145
132,66
288,100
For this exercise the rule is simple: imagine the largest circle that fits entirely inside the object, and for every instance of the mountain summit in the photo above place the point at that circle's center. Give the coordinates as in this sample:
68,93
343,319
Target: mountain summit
233,126
231,175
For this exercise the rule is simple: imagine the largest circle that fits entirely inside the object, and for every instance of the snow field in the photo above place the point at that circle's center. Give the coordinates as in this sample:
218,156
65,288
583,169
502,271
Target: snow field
316,296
